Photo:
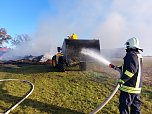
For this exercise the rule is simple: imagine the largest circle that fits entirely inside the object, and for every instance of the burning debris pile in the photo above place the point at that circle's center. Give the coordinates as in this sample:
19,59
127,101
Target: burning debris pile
28,60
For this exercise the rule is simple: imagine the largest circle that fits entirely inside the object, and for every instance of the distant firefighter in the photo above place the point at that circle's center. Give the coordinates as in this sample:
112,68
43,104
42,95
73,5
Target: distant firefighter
73,36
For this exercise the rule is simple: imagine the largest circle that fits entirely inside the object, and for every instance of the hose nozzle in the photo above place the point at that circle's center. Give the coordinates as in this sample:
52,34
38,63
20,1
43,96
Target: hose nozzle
112,66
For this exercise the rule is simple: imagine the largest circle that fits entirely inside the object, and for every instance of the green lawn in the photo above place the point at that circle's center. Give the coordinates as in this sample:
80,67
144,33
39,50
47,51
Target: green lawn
70,92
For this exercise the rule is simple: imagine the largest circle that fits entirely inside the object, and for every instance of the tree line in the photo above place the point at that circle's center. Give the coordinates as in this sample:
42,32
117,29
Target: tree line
17,40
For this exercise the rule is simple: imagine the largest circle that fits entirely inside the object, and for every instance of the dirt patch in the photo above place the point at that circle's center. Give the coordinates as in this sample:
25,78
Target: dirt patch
147,75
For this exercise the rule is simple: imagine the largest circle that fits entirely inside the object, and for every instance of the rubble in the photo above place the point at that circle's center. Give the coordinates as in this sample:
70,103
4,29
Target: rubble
26,60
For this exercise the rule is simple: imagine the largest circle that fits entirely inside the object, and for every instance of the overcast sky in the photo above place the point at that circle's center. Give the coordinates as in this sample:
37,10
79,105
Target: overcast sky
50,21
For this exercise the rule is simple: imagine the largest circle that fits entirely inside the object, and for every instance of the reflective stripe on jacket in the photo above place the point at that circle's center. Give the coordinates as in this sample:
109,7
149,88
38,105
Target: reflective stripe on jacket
132,69
57,56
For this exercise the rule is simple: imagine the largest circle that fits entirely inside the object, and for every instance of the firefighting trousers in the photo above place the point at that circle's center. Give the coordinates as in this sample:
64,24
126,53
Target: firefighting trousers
129,103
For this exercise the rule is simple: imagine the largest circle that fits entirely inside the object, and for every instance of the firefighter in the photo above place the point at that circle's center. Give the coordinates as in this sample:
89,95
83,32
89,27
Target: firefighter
73,36
59,54
55,58
131,79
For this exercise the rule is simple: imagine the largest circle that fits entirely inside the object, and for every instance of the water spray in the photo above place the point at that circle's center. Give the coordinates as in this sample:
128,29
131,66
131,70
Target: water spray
98,57
25,96
95,55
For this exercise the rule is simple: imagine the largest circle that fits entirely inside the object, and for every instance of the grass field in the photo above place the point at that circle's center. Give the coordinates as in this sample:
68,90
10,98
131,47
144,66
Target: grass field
70,92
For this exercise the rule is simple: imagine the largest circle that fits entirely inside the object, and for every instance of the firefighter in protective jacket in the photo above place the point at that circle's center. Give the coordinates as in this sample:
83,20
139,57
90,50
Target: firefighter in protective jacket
131,80
73,37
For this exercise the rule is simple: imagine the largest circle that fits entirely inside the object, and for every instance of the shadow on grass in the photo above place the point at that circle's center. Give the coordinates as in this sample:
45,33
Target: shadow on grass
29,69
43,107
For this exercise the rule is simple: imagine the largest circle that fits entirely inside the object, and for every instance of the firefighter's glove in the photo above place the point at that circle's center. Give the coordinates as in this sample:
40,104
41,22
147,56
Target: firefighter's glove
112,66
120,81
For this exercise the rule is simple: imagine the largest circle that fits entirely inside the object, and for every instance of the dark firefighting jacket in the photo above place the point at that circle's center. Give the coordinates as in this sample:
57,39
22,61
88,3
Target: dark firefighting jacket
131,78
57,56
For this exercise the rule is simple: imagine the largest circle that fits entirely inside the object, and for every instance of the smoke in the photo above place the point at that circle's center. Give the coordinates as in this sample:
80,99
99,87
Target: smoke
46,57
110,21
126,19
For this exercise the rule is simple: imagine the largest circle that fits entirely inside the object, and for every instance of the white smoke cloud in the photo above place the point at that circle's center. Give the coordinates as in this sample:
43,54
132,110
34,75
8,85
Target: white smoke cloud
111,21
127,19
112,32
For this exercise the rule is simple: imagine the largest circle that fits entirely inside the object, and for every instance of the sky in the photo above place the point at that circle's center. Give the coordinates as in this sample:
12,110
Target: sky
48,22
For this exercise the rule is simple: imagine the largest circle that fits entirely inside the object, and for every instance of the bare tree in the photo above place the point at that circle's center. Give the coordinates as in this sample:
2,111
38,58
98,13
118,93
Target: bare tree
4,37
20,39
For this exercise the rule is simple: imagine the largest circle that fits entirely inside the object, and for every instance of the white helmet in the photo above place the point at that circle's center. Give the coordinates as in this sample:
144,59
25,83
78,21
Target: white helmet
132,43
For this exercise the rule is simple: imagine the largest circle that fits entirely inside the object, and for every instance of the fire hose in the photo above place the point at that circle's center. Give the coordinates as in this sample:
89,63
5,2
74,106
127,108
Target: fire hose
111,95
25,96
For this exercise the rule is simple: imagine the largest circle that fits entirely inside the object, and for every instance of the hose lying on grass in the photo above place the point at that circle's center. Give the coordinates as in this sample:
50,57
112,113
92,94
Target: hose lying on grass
109,97
25,96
